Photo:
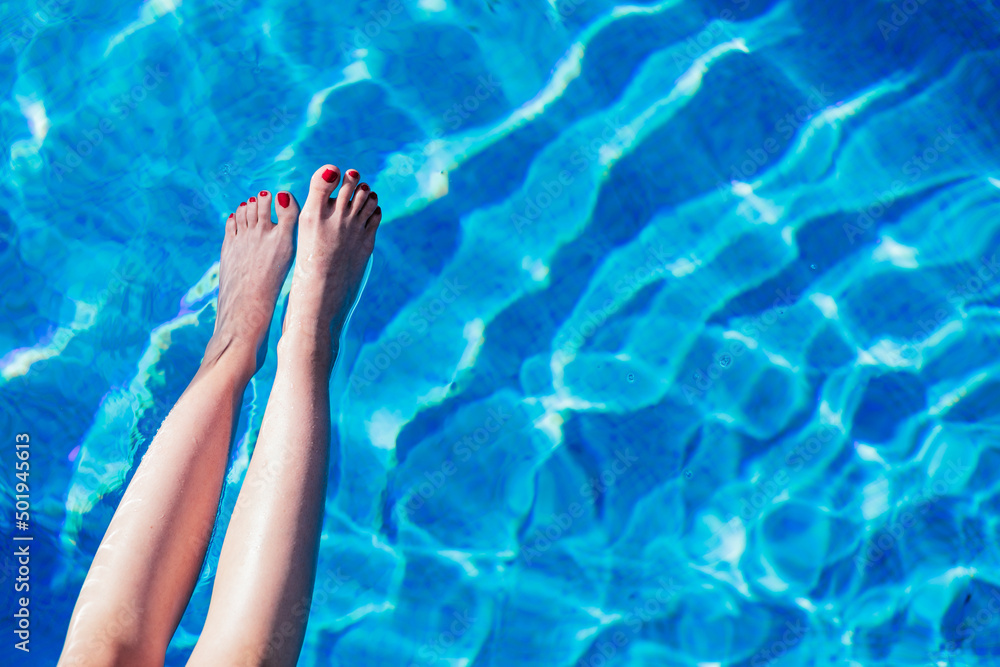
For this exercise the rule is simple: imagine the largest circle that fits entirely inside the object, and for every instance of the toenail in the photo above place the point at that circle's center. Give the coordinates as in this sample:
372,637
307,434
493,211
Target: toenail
352,173
363,186
253,199
328,175
230,215
243,203
263,193
284,199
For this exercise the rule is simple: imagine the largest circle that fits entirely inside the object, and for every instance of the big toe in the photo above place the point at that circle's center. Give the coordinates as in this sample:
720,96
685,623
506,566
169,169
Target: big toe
288,210
322,185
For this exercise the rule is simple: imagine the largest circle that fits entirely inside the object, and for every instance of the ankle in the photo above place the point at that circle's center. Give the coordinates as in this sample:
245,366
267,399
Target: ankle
316,345
232,354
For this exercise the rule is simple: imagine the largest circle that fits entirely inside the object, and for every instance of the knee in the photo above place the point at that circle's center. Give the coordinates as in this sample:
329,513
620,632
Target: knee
114,634
115,653
239,650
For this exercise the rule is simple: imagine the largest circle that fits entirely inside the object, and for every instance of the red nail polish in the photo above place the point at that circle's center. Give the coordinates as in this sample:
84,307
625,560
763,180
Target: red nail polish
243,203
263,193
328,175
253,199
230,215
363,186
352,173
284,199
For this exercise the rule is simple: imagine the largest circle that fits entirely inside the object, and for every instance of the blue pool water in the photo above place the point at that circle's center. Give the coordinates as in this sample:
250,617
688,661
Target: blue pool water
679,345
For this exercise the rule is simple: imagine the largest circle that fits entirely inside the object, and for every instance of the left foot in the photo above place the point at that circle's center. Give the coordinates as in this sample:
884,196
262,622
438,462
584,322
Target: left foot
256,254
336,238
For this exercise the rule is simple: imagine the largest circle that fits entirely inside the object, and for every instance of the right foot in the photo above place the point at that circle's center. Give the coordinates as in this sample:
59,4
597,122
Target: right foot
256,254
336,238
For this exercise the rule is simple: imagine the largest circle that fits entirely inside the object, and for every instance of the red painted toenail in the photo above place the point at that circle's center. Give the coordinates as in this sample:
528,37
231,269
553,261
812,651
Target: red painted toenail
352,173
230,215
243,203
284,199
253,199
328,175
263,193
363,186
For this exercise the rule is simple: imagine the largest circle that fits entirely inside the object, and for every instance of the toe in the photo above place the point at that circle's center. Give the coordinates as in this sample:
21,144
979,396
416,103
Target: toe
231,225
361,195
371,227
368,206
288,211
263,207
374,220
322,185
241,217
252,212
351,179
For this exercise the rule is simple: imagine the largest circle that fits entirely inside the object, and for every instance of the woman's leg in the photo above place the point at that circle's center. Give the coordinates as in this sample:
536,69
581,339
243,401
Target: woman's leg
264,581
148,562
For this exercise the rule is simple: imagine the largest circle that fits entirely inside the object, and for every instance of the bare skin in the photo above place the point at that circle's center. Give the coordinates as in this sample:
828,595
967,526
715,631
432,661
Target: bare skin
148,562
267,566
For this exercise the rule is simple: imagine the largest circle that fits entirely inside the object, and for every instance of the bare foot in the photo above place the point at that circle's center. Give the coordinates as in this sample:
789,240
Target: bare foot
336,238
256,254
